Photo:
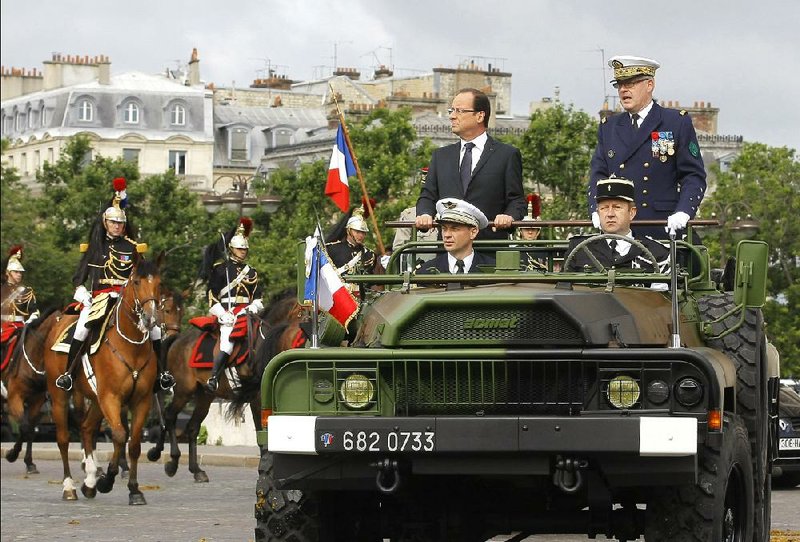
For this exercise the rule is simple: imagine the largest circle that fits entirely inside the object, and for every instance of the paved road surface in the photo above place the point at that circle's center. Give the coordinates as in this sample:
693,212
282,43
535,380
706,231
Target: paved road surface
180,510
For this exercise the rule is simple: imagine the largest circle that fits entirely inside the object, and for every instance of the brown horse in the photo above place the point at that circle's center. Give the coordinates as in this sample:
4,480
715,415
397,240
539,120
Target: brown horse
190,385
25,381
121,373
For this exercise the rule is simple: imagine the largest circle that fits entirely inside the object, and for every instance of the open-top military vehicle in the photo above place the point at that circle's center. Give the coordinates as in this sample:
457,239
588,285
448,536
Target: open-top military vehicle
537,402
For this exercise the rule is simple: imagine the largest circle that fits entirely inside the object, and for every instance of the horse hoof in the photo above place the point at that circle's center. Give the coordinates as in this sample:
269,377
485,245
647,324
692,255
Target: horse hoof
32,469
88,492
105,484
171,469
12,455
153,454
200,476
70,495
136,499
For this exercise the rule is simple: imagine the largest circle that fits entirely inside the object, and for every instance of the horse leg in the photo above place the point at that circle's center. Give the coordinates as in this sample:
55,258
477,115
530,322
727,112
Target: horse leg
140,411
59,400
154,453
123,458
32,414
91,421
179,401
201,405
16,411
111,409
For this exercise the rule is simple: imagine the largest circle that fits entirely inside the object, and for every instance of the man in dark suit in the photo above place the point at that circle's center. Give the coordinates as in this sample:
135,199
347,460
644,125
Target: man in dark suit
460,221
654,147
616,208
477,169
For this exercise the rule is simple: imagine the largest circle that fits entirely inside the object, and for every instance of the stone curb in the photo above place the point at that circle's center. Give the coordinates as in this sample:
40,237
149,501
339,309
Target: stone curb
236,456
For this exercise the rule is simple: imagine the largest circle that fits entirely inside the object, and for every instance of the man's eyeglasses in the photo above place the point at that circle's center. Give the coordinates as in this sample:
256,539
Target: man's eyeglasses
458,110
627,84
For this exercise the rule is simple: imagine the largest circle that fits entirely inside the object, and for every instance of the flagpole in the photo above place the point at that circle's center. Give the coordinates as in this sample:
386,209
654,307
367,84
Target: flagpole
358,172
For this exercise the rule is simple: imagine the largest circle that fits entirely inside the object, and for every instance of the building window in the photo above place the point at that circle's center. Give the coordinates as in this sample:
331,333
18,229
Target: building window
23,163
50,154
283,137
239,144
37,160
131,155
85,111
177,115
19,123
131,113
87,159
42,116
177,162
31,119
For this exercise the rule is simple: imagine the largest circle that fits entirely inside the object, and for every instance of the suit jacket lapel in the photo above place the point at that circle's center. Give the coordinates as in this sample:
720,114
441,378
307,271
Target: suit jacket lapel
485,155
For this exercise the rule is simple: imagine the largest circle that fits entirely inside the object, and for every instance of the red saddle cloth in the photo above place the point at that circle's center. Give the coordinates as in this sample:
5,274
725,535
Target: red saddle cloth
8,338
203,352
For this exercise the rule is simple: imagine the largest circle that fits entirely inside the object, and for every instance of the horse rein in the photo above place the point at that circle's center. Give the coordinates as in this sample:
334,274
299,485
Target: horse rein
137,310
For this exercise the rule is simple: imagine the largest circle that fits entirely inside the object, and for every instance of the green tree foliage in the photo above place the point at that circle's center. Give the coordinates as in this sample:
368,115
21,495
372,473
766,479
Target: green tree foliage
556,150
765,182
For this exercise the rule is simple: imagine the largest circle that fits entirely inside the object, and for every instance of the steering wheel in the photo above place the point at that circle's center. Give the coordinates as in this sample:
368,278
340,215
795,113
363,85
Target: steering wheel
583,245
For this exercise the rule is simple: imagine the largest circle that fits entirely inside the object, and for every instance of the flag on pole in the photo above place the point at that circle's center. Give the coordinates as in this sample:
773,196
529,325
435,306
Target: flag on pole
332,295
340,168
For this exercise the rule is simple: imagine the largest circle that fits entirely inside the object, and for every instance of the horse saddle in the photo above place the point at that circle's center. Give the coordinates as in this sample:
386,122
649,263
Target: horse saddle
208,343
102,307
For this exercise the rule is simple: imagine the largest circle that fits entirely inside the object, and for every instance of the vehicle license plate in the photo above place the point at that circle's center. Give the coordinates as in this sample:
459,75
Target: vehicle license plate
789,444
376,440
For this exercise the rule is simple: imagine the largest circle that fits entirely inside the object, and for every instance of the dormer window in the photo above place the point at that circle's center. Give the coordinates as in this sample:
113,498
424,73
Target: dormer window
131,113
177,115
85,111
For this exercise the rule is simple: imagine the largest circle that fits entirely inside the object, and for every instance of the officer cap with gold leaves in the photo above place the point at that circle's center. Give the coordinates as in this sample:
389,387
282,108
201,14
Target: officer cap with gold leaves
628,67
460,212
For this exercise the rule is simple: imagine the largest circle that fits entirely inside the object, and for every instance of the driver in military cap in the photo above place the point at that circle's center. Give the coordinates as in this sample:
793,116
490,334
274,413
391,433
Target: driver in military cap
656,148
460,223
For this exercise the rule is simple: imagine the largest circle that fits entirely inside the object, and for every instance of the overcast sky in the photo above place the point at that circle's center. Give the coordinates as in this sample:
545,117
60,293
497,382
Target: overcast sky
740,55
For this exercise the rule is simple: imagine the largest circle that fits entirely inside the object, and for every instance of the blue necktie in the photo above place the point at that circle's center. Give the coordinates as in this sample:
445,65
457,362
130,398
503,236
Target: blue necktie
460,263
466,166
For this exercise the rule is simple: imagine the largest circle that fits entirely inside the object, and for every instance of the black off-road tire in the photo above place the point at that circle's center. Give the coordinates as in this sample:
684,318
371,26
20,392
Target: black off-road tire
307,516
747,348
719,506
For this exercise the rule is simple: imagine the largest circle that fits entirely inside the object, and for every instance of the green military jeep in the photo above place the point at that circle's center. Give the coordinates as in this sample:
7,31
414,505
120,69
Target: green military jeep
464,406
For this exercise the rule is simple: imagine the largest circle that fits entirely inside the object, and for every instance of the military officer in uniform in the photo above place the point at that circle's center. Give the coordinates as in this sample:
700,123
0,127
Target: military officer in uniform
106,265
616,207
529,261
18,303
234,286
349,255
654,147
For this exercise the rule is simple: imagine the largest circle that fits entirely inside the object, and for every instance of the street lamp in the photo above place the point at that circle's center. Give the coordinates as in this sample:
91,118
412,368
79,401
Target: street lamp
731,223
238,198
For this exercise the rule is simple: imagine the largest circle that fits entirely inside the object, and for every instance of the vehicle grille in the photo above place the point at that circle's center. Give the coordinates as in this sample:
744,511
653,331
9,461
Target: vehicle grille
545,325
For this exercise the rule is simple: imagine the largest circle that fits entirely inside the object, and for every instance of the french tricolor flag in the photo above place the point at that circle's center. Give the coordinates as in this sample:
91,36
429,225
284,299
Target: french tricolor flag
340,168
332,295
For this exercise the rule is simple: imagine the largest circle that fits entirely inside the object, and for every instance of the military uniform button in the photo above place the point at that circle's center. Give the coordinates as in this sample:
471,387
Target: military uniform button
647,164
645,178
644,191
644,204
622,166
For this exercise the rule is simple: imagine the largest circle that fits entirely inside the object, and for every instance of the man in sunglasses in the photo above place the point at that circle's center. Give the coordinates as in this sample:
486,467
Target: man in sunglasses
477,169
654,147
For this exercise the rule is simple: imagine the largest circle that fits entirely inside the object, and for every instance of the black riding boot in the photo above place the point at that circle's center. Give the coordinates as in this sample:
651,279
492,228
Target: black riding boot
165,378
64,381
219,364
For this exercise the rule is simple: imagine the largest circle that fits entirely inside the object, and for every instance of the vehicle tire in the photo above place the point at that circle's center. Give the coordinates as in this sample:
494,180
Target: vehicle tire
718,507
747,348
787,481
308,516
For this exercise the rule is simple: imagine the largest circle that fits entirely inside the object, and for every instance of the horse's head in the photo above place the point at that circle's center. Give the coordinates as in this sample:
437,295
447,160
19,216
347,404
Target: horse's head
143,293
170,311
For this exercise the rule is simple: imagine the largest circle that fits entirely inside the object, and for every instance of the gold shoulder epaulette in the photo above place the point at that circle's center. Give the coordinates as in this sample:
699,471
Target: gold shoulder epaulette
84,247
683,111
141,248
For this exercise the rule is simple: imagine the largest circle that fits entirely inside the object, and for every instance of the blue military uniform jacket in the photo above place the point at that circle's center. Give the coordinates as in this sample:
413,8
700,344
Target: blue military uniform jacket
662,158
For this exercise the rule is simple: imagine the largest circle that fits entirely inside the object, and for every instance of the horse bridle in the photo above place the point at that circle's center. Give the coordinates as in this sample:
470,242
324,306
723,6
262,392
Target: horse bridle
169,327
137,310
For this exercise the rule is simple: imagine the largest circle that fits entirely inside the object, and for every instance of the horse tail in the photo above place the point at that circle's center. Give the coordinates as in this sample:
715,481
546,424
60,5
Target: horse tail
249,390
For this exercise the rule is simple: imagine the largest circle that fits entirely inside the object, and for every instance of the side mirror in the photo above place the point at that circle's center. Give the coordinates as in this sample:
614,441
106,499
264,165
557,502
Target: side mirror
750,283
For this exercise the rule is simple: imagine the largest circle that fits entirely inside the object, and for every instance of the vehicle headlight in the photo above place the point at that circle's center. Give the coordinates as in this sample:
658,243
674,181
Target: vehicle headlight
323,391
623,391
657,391
357,391
689,392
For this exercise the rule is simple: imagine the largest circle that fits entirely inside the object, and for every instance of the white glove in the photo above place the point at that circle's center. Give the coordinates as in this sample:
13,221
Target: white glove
351,265
676,222
255,307
226,318
32,317
82,295
216,310
596,219
385,260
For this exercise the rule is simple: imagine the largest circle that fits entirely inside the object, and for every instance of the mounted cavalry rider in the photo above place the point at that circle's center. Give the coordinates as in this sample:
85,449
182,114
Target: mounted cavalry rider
233,286
106,265
18,303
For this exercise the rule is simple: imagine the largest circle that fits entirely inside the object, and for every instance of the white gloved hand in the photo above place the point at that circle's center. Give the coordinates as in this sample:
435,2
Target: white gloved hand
350,266
82,295
226,318
255,307
216,310
596,219
385,260
32,317
676,222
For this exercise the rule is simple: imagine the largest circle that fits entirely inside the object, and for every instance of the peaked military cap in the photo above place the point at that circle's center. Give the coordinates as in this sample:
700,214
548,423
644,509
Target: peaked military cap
460,212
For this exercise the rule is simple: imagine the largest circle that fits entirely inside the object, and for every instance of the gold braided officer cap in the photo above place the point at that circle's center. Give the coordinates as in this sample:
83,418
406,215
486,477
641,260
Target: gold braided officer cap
627,67
460,212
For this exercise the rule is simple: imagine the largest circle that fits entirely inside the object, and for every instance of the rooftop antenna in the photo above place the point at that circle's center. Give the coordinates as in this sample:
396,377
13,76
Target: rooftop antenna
336,52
